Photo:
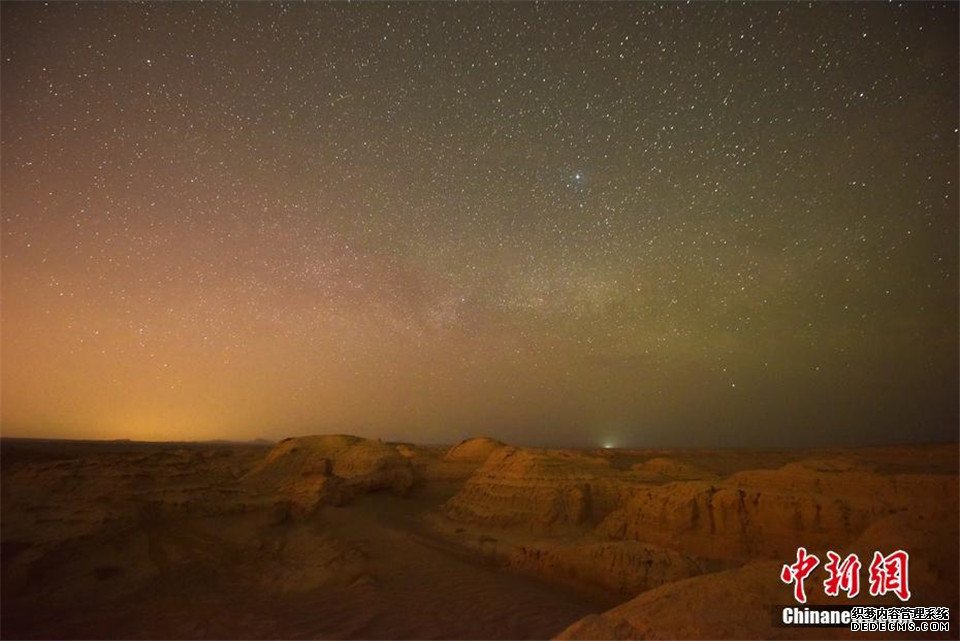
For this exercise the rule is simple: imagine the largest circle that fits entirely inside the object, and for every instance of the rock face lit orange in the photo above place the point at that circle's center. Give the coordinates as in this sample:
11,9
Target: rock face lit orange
336,536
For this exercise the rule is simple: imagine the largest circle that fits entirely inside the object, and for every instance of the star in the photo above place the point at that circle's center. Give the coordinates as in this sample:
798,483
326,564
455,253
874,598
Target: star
513,219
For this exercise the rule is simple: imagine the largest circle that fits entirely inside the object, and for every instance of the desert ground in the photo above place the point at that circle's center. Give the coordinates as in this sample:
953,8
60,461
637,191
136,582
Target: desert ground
348,538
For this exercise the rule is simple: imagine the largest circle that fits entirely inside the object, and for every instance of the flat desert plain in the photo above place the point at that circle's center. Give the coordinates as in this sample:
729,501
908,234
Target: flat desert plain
349,538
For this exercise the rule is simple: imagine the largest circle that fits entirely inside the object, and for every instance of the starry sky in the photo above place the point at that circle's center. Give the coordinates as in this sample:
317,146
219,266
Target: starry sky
687,224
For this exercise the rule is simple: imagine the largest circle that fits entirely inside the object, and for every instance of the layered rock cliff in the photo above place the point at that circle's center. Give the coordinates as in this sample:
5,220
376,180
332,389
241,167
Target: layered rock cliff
312,471
539,490
769,513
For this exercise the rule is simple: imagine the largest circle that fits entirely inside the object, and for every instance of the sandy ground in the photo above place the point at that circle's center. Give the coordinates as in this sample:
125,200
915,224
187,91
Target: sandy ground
342,538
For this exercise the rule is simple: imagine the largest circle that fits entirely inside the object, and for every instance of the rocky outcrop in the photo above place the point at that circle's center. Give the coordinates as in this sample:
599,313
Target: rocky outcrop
620,567
711,606
731,604
540,490
476,450
930,535
663,469
769,513
549,490
680,528
717,605
48,501
313,471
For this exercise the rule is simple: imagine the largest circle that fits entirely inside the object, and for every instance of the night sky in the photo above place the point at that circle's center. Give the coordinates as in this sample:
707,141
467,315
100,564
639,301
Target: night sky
609,223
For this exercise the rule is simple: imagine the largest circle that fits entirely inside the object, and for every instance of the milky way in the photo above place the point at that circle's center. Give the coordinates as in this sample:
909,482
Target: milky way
606,223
